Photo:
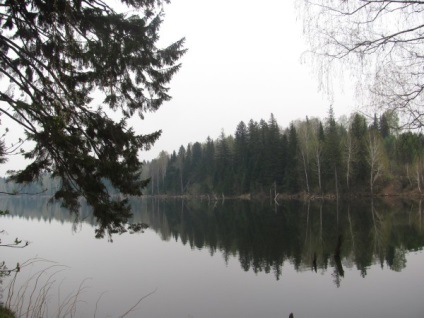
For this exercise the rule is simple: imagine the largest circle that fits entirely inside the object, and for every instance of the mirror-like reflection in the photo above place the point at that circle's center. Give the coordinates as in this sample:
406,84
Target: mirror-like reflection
227,258
263,236
311,235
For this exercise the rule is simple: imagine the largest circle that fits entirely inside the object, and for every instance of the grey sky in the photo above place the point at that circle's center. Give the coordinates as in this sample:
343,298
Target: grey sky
244,62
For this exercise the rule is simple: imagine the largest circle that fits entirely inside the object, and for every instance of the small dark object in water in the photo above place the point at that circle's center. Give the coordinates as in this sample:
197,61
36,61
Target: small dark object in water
291,315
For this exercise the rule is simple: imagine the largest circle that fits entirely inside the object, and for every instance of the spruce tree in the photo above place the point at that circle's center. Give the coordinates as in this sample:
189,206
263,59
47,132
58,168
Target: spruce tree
54,57
209,163
359,130
241,148
332,151
273,153
254,154
291,175
223,179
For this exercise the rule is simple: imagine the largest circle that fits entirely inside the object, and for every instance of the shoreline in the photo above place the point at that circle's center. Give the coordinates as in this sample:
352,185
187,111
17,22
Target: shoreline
302,196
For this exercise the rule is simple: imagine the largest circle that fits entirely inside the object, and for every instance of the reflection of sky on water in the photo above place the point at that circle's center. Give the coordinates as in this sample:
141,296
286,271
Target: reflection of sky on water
191,283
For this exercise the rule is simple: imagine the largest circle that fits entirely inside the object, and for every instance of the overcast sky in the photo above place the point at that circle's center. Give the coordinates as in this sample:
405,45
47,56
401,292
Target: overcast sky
243,62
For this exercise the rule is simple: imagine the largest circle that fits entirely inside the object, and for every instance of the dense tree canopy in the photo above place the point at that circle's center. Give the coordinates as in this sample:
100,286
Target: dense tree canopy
55,57
349,156
380,41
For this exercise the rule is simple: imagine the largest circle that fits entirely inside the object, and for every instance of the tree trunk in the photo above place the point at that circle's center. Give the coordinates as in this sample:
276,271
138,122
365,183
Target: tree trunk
306,171
337,182
319,172
407,174
181,181
348,170
418,179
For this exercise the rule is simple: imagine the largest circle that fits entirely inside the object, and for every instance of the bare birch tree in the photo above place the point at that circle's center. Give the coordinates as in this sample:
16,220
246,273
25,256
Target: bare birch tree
375,158
419,167
350,149
303,130
380,42
317,148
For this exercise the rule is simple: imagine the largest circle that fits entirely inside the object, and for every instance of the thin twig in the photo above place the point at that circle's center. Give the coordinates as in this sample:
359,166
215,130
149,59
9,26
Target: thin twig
133,307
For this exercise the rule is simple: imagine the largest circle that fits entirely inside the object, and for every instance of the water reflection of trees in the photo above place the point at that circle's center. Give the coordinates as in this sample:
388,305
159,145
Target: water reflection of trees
264,236
303,234
42,208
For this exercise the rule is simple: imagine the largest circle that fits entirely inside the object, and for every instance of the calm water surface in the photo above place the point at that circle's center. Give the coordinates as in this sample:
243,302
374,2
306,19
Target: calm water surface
226,259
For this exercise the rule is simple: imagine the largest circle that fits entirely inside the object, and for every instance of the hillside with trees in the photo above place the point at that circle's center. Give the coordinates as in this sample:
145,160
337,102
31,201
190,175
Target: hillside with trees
355,155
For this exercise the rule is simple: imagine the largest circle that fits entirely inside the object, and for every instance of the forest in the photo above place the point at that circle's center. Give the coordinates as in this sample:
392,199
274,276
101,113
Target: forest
350,155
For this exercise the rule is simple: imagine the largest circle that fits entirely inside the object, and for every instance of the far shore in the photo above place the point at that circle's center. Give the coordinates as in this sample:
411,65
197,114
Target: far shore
302,196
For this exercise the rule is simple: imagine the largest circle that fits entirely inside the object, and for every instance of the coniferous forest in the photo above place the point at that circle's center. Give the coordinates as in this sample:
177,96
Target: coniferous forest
355,155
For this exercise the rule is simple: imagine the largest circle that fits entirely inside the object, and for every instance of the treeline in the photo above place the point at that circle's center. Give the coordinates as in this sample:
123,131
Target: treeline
314,156
45,185
311,156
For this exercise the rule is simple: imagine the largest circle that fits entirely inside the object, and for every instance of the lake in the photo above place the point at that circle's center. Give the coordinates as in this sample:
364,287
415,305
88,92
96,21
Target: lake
220,259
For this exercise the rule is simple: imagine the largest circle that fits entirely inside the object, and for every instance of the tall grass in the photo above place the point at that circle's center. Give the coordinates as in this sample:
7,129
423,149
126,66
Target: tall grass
33,298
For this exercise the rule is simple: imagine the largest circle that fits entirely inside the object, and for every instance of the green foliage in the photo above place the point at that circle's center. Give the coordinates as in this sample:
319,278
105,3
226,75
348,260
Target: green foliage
292,161
262,157
56,55
332,151
358,130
